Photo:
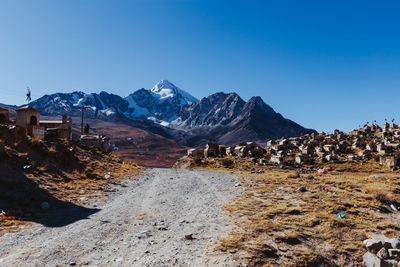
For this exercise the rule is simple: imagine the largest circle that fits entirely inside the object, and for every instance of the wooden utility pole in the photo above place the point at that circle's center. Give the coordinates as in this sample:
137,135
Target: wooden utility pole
83,110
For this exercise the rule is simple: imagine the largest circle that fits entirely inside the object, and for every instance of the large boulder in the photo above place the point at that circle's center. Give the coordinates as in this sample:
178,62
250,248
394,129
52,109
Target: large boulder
373,245
394,253
241,151
383,253
222,150
211,150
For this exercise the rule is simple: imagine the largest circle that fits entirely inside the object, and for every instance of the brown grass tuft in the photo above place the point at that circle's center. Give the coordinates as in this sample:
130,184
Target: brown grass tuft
293,175
302,226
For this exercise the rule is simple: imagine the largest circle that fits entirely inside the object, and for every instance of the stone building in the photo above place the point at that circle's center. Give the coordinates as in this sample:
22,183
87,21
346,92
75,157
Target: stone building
29,118
58,129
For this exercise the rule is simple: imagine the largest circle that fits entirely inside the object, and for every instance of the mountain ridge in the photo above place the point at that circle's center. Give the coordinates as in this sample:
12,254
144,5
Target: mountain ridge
171,111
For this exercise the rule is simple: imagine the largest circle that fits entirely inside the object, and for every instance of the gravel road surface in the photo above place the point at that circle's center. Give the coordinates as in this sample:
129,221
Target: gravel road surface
143,223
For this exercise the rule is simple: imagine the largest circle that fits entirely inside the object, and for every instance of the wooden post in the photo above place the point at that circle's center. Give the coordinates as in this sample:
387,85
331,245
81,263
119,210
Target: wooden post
83,110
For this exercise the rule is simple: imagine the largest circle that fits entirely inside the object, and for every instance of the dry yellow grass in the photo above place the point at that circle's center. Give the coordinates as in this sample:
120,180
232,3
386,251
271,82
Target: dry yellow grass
72,185
278,225
90,183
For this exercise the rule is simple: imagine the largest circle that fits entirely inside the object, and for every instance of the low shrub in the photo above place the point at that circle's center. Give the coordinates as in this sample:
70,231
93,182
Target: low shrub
227,163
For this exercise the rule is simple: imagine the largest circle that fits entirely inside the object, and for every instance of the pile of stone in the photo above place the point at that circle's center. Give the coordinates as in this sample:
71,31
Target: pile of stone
243,150
382,251
369,142
99,141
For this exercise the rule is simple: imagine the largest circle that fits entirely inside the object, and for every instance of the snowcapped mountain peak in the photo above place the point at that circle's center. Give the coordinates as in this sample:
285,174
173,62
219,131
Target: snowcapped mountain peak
165,89
161,104
163,84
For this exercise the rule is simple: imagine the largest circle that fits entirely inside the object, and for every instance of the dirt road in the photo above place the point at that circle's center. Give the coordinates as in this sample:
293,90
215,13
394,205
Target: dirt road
141,224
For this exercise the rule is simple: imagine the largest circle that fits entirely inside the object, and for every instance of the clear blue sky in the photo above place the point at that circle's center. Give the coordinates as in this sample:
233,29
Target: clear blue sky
324,64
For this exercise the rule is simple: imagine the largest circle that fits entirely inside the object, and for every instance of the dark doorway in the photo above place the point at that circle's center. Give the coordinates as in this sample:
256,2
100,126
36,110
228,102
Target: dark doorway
34,120
2,118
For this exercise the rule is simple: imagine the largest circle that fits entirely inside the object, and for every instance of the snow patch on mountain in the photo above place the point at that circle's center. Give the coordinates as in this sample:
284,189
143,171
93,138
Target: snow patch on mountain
138,111
165,89
108,112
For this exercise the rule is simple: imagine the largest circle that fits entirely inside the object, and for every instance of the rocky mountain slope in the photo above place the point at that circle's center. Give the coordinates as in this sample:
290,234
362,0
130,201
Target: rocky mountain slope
214,110
173,113
102,105
161,104
227,118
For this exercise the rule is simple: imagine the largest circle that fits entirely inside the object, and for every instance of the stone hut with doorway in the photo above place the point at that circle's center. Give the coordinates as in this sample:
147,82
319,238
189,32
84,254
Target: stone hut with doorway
29,118
52,130
4,115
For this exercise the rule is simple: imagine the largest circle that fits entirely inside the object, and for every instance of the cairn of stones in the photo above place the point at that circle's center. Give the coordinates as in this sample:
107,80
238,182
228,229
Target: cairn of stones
368,143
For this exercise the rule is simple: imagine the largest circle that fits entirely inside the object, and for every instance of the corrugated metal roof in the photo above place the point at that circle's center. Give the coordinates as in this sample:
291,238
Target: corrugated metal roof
51,122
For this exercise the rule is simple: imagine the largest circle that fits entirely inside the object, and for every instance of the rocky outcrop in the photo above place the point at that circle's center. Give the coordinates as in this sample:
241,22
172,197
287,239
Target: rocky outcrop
382,251
362,145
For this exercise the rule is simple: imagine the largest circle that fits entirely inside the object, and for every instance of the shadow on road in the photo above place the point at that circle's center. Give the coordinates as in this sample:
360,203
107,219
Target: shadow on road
22,198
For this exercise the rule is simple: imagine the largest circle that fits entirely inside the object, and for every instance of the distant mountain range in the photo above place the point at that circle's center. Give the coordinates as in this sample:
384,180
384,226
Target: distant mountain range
170,111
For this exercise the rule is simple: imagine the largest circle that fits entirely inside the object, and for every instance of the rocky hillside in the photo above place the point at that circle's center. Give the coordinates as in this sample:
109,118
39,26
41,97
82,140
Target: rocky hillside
368,148
36,176
228,119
